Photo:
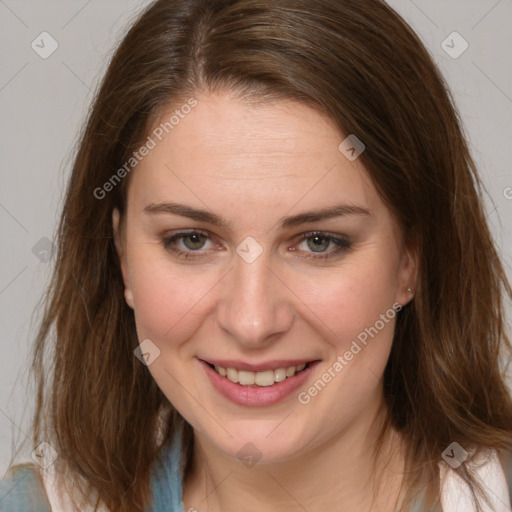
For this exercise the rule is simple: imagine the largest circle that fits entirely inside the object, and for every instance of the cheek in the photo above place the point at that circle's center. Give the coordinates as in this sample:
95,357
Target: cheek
170,307
351,299
358,318
169,299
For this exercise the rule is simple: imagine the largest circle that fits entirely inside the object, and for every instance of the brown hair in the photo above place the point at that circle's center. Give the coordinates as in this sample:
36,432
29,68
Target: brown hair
359,63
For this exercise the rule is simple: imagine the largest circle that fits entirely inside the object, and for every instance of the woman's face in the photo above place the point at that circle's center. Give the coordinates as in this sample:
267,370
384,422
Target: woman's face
228,261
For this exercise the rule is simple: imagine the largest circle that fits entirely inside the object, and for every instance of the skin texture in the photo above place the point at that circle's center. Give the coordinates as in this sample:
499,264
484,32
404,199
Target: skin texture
253,165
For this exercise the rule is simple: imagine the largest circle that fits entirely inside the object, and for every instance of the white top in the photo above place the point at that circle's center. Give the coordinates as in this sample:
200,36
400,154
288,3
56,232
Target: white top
456,495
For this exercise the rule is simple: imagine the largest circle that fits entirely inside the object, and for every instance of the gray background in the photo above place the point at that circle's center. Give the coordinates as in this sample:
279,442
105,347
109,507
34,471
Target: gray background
44,101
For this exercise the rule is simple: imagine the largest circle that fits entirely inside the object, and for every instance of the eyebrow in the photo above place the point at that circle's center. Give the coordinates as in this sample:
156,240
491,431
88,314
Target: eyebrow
337,210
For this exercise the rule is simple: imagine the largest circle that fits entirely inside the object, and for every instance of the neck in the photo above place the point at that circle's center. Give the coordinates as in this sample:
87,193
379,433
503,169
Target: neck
339,474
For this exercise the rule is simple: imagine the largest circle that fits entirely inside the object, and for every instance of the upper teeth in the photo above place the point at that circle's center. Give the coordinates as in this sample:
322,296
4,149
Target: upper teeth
265,378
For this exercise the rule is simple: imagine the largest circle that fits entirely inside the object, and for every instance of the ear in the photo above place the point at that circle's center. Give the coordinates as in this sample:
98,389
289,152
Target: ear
407,275
119,243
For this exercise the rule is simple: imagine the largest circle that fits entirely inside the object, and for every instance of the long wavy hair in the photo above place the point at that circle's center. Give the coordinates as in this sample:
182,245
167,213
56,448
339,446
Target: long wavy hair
359,64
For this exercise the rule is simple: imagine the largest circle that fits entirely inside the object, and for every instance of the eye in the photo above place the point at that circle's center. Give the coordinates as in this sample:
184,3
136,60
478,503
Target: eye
187,244
193,241
319,242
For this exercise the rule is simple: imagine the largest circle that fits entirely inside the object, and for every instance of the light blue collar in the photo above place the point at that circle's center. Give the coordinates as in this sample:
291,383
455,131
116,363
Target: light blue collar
166,481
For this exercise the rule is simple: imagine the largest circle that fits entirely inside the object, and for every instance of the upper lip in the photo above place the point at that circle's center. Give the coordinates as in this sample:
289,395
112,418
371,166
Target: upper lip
257,367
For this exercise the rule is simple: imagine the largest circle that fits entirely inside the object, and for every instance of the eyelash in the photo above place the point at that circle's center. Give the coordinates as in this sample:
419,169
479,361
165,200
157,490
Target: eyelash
341,243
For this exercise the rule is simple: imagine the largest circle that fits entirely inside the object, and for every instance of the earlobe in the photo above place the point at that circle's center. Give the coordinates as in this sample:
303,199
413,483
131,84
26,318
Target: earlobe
118,242
128,297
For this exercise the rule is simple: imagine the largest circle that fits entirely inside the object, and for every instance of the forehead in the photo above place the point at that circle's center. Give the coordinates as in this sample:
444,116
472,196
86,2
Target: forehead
270,156
229,130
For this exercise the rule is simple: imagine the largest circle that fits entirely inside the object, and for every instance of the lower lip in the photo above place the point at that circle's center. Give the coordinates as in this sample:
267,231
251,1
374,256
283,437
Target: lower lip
257,396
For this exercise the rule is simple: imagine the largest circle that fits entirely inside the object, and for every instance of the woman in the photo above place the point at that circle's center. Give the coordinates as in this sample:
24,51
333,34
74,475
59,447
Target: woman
275,286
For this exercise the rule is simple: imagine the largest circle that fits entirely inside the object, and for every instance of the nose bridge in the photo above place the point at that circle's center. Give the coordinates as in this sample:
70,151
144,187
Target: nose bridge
255,304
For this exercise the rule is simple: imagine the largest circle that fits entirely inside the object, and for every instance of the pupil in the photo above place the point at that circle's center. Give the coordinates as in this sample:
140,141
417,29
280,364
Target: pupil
318,244
195,239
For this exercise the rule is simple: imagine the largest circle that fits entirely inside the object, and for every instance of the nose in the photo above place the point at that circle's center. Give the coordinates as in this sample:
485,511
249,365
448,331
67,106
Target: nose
255,306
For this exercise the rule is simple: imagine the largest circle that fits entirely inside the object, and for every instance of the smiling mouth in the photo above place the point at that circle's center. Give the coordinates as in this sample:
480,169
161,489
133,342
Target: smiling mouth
259,379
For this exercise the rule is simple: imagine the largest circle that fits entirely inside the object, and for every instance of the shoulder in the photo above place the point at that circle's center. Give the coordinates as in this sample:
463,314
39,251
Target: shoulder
22,490
494,473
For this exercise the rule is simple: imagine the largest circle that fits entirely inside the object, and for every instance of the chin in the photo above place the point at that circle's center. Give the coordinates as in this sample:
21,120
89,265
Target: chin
259,442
